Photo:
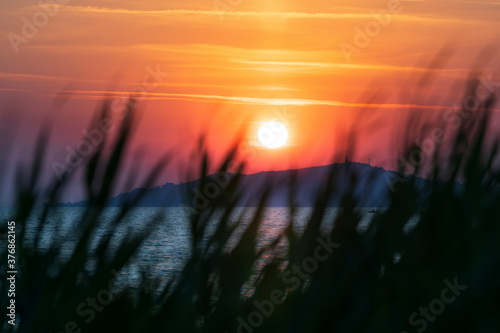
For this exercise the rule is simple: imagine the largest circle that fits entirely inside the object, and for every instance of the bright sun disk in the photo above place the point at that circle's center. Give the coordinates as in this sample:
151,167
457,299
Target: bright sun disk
272,134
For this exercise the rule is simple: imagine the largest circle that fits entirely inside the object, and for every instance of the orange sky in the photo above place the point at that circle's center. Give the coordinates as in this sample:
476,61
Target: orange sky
233,66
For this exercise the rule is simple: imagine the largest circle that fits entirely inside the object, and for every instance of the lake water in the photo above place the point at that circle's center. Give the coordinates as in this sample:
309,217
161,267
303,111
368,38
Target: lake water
167,249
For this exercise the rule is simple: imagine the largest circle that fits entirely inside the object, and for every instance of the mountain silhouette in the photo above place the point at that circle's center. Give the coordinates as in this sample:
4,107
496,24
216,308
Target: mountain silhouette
370,186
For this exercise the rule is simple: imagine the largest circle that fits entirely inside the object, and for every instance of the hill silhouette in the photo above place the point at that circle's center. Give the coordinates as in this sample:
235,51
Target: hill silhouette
370,186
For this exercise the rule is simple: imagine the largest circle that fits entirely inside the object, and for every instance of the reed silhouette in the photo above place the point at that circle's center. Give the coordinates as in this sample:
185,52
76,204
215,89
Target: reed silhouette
370,281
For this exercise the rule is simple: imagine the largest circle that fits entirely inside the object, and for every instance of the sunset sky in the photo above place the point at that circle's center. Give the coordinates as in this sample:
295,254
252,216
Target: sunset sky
223,66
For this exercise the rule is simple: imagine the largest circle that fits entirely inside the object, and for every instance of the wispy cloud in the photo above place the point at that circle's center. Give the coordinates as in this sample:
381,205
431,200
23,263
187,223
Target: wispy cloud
291,65
100,94
493,3
38,77
252,14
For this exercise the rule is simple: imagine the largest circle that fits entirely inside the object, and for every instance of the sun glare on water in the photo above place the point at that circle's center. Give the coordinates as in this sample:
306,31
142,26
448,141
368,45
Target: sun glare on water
272,134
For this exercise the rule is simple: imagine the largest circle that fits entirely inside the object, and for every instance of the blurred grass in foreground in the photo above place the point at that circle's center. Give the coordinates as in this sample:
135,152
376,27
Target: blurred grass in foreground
340,280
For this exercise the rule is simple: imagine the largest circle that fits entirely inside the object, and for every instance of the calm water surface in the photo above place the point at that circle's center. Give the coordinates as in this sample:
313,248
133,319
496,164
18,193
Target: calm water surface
167,249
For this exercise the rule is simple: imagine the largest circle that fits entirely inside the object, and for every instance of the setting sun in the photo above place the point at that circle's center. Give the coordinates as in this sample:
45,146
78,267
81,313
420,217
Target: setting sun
273,134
